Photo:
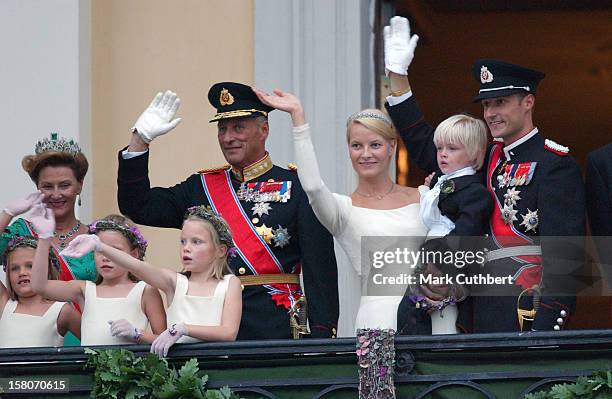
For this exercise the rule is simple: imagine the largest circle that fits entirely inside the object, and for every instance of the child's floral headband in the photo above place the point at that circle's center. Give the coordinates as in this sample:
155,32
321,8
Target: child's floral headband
219,224
26,241
132,233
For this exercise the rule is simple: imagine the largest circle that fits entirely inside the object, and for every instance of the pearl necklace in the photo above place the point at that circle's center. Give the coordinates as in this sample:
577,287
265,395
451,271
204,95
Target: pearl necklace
377,196
63,237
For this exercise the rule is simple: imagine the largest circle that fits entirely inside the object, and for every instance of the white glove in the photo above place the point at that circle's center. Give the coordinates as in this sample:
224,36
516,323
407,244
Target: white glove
165,340
157,120
125,329
81,245
22,205
399,46
43,221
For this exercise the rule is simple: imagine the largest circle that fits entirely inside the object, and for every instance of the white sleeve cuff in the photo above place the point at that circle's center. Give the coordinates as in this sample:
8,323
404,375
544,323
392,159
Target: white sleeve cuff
396,100
125,154
300,132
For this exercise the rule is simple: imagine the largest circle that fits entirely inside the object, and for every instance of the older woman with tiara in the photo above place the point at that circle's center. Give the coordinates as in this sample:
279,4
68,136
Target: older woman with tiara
378,208
57,168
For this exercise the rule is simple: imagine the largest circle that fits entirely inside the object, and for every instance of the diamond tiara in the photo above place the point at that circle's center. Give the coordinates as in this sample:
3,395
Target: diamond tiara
368,115
57,144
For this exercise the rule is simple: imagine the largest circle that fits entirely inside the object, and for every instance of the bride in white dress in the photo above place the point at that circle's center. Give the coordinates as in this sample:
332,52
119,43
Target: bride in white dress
377,208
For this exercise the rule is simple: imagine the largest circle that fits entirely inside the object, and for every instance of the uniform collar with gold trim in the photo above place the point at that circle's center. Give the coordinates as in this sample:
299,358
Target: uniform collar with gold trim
508,149
254,170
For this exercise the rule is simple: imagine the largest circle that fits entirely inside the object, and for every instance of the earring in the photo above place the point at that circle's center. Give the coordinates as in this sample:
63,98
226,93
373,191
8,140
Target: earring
79,199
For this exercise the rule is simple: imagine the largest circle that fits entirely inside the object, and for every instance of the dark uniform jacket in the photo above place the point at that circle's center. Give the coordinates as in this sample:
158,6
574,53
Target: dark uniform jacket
557,194
310,244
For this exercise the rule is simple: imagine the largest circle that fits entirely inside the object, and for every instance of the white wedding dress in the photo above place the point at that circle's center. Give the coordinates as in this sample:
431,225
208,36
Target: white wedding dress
401,227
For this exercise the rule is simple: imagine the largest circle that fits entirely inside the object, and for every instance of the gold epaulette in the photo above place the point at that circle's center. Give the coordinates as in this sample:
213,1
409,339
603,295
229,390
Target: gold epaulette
291,166
213,170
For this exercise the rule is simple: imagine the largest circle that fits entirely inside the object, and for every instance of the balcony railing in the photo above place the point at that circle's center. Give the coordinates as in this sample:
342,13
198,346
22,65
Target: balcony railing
453,366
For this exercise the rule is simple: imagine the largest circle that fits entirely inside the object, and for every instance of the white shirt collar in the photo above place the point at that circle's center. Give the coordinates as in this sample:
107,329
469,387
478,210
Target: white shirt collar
518,142
468,170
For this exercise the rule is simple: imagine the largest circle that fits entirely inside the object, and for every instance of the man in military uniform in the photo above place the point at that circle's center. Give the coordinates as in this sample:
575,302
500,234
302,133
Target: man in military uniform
275,230
537,190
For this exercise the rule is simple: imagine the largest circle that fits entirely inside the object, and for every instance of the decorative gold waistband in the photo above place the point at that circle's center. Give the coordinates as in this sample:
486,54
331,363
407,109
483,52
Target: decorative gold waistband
261,279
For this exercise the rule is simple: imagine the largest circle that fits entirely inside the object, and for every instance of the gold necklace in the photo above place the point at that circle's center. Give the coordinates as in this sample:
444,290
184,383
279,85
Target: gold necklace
377,196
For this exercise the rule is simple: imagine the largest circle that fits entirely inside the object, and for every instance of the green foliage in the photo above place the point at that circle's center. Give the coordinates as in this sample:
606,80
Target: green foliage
596,386
119,374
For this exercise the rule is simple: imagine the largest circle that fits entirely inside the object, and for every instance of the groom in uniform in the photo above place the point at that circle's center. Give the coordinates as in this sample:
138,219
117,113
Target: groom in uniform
536,188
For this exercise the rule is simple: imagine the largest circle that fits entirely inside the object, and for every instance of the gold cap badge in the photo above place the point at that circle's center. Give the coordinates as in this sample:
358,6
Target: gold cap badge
225,98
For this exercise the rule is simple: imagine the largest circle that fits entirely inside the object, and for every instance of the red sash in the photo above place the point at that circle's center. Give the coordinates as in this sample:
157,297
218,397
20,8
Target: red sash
251,248
505,235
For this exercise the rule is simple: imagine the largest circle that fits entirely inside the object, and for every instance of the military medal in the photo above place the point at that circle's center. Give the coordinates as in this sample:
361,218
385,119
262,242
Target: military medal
265,233
243,193
509,214
530,220
511,197
261,208
517,174
508,176
281,237
501,167
278,191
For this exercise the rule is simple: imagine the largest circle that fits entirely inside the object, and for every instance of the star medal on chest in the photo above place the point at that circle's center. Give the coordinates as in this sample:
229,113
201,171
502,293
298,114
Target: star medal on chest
261,208
265,233
509,214
281,237
530,220
512,197
265,191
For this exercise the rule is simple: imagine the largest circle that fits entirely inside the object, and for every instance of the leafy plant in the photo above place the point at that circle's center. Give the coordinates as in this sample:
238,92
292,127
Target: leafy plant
596,386
118,373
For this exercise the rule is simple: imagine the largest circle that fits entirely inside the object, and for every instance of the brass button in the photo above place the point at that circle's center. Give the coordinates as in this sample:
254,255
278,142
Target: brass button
242,270
242,287
255,220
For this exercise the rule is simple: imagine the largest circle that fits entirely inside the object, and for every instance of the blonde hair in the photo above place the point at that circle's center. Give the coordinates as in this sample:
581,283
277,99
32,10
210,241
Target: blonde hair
466,130
123,226
221,267
375,120
52,274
